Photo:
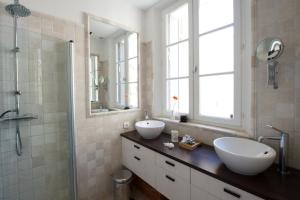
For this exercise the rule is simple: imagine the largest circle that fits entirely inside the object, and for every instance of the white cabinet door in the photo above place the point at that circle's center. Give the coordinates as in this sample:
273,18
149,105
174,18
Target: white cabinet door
171,185
198,194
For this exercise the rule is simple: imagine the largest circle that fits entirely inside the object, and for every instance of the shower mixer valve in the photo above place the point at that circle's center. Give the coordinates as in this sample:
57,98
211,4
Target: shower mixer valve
16,50
18,92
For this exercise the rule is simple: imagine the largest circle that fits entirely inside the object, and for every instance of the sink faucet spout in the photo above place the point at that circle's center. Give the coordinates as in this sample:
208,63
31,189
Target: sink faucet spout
283,144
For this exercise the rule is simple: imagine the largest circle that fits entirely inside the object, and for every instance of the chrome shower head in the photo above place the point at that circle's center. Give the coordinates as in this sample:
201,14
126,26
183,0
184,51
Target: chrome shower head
17,10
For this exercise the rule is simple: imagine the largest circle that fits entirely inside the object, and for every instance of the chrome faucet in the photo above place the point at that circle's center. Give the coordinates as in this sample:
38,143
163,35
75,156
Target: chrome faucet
146,115
283,141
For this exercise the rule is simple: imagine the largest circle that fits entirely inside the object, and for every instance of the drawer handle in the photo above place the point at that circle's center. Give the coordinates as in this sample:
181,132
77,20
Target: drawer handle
170,178
137,158
137,147
232,193
169,163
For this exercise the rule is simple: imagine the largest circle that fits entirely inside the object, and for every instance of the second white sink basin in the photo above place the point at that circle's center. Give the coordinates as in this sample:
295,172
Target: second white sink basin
150,129
244,156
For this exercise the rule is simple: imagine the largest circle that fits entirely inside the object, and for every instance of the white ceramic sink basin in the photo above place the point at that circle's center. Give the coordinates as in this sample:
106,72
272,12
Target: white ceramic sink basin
150,129
244,156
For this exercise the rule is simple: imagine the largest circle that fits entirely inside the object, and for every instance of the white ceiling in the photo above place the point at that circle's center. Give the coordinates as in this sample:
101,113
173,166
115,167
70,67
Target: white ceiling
143,4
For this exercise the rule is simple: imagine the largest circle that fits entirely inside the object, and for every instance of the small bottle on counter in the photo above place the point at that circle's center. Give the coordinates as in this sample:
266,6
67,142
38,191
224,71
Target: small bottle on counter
174,135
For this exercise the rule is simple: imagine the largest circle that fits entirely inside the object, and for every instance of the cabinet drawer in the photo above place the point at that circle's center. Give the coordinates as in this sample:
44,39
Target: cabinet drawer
198,194
139,160
173,166
171,185
219,189
133,147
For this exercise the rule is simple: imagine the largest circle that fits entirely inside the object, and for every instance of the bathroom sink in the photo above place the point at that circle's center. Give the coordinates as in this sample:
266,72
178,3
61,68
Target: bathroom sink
244,156
149,129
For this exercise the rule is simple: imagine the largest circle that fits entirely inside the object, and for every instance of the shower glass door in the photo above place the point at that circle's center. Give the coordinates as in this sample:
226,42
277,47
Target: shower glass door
45,169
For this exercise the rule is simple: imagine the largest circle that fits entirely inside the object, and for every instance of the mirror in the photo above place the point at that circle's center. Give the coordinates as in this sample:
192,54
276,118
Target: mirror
269,50
113,67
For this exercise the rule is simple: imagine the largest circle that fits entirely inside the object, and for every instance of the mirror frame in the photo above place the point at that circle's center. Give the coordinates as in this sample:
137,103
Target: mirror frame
88,17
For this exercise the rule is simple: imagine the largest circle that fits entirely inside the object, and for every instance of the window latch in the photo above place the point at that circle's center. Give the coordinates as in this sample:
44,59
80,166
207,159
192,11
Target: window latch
195,69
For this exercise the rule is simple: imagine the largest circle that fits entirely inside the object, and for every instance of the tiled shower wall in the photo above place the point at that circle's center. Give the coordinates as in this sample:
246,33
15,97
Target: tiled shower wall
42,172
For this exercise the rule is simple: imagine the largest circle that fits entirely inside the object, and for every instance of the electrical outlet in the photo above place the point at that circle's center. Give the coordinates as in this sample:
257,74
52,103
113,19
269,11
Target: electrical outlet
126,125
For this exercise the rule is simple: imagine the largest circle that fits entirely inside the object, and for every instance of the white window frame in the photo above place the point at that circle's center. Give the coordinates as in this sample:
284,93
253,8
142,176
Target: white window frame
242,22
236,121
173,7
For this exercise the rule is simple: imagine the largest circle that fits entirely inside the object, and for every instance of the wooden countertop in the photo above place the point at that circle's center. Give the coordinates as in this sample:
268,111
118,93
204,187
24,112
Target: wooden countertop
269,185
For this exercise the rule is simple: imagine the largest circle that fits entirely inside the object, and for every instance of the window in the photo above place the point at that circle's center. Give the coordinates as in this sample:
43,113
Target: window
202,63
177,60
126,63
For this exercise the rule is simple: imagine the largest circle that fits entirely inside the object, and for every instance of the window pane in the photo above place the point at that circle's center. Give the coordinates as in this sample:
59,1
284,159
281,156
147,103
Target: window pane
121,98
183,22
120,51
184,59
172,27
183,97
132,70
132,45
217,96
133,95
177,25
216,52
180,89
94,94
172,61
172,90
121,75
214,14
94,68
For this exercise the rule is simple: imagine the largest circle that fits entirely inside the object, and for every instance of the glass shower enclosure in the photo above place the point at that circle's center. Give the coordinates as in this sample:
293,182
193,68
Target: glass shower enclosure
37,164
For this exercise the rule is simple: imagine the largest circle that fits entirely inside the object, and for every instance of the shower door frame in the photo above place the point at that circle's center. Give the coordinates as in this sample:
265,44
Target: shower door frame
71,117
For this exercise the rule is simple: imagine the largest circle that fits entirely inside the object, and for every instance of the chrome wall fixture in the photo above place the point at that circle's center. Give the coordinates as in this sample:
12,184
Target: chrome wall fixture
17,10
270,49
283,148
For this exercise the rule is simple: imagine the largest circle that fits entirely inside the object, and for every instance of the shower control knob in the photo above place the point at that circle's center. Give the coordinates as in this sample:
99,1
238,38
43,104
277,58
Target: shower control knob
16,50
18,92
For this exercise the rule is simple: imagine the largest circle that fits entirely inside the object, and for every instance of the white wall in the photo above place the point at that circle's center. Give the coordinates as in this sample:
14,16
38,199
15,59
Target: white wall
120,11
152,32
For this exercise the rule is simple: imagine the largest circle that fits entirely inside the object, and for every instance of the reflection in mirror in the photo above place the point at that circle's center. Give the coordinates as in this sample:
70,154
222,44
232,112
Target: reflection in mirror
113,68
94,83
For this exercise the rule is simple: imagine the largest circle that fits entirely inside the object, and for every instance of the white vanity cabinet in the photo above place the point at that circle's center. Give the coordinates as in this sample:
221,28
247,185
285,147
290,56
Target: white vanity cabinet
175,180
140,160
